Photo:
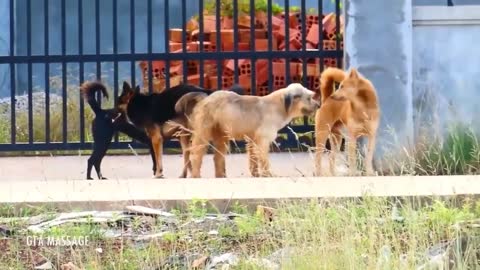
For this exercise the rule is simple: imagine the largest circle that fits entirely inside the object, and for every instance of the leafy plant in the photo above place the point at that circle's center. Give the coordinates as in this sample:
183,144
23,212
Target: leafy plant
197,208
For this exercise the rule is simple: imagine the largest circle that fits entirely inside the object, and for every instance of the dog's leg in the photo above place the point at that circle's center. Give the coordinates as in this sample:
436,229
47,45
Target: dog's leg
369,155
262,152
89,168
95,160
321,132
252,159
184,143
157,144
220,144
352,154
197,151
336,140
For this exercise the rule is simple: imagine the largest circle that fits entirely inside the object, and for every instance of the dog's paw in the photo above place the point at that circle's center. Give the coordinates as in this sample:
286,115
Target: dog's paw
103,178
267,174
158,176
89,178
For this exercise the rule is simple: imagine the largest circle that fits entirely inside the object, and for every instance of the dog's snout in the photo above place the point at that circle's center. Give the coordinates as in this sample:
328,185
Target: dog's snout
316,103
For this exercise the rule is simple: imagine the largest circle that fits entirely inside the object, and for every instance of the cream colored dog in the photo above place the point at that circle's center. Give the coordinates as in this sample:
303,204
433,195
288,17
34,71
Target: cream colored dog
224,116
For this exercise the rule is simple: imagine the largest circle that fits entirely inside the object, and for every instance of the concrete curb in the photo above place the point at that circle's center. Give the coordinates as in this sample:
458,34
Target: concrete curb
110,194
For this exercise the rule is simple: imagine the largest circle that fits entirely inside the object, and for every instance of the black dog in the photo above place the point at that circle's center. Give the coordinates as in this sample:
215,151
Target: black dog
156,114
105,125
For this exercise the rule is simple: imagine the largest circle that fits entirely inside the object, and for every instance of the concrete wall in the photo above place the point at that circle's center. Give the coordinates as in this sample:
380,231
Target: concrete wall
446,67
379,45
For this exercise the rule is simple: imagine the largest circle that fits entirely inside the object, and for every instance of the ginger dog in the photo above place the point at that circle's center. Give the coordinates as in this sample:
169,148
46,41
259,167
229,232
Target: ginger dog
223,116
354,106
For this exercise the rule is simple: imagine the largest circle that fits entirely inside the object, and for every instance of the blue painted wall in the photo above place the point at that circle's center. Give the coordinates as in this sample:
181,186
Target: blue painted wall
445,76
106,41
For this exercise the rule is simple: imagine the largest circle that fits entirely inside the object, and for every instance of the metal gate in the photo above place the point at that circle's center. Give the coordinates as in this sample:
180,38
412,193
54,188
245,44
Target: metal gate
55,45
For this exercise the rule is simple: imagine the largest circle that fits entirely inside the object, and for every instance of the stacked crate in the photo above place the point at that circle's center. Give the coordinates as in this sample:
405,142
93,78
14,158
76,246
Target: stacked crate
227,68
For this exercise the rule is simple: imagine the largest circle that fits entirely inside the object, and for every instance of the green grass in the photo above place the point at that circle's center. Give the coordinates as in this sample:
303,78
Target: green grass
367,233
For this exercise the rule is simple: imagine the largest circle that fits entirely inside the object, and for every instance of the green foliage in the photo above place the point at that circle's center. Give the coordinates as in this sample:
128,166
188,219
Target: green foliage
197,208
248,226
459,154
226,7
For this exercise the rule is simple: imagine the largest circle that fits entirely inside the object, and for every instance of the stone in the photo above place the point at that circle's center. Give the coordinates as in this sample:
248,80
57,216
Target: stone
69,266
200,262
227,258
44,265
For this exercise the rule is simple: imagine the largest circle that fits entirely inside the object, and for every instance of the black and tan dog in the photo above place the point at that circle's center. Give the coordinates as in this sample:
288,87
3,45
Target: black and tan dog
105,125
157,115
225,116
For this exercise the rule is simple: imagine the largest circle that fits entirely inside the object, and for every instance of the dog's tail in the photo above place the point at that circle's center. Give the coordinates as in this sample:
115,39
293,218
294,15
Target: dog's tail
187,102
89,89
328,78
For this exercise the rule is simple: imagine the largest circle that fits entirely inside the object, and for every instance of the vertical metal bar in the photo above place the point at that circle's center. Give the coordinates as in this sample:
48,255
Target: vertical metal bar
97,44
218,44
235,39
253,81
132,40
450,3
320,35
337,29
80,70
47,75
304,40
115,63
149,45
13,127
167,43
184,39
200,41
64,74
29,72
287,40
270,44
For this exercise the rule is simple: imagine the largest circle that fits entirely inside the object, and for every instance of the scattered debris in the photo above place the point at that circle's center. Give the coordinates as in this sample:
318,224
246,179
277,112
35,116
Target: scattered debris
213,232
264,264
266,212
69,266
44,265
224,259
280,256
200,262
81,217
137,209
5,231
149,237
396,216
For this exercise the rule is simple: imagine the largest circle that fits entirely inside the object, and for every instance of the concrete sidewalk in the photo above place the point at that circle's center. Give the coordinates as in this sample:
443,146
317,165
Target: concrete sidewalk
155,190
131,166
60,180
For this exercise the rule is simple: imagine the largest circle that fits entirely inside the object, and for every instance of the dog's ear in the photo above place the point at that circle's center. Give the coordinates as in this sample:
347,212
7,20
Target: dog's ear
353,73
126,88
287,101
